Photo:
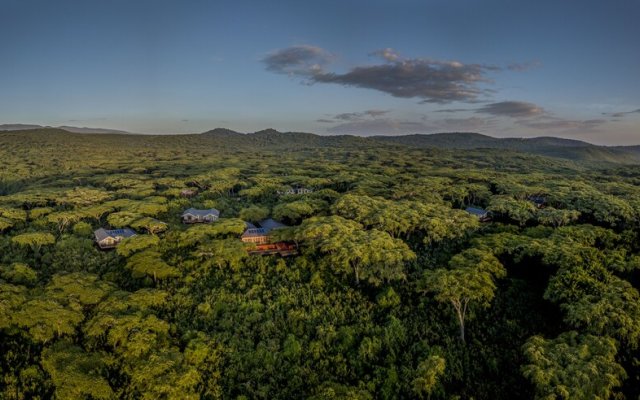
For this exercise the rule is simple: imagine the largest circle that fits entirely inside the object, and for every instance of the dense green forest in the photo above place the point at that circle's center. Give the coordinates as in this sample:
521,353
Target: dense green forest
396,291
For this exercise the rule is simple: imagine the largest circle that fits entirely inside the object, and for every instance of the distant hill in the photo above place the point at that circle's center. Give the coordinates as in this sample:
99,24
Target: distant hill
271,138
18,127
547,146
74,129
574,150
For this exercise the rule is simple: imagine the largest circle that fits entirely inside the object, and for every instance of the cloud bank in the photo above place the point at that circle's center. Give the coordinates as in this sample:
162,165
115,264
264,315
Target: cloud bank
513,109
430,81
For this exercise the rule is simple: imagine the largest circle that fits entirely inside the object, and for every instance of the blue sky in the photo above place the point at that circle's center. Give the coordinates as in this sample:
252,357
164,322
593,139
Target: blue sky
504,68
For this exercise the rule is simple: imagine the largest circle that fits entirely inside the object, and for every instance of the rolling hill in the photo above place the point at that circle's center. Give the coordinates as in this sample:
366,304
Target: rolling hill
546,146
568,149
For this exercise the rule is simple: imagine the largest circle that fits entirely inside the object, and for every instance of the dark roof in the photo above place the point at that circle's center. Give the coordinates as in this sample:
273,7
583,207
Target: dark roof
201,213
538,199
252,232
476,211
269,224
102,233
265,226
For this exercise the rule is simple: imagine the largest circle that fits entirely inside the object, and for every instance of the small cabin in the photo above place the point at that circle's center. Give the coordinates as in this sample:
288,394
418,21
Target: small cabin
109,238
260,234
194,216
480,213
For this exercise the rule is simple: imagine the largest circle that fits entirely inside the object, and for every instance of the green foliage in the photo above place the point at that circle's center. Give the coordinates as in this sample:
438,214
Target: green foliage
386,252
298,210
254,213
572,366
151,225
371,255
19,274
429,372
519,211
136,243
45,320
75,373
150,263
82,229
122,219
470,278
34,240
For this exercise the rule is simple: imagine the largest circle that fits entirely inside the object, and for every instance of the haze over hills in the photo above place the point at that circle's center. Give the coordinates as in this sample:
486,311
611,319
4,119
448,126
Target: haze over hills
570,149
74,129
546,146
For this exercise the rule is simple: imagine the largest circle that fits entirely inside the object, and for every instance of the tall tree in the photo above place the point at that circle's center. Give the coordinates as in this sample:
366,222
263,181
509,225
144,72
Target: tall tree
470,278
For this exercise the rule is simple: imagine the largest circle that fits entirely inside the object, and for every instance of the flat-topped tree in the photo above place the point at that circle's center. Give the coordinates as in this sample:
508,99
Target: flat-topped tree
63,219
151,225
295,211
122,219
34,240
226,252
82,196
149,263
136,243
519,211
126,324
555,217
10,217
43,320
469,279
370,255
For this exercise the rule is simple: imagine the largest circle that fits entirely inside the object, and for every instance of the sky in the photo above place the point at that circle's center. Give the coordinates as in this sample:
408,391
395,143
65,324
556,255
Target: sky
505,68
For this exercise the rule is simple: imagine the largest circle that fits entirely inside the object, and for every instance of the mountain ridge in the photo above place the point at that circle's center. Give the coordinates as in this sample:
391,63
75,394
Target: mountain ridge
549,146
72,129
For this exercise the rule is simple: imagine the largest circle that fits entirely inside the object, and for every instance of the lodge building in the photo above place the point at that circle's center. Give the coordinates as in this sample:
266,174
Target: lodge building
110,238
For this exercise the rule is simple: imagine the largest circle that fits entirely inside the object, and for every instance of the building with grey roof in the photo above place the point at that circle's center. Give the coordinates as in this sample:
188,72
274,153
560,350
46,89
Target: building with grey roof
194,216
260,234
109,238
482,214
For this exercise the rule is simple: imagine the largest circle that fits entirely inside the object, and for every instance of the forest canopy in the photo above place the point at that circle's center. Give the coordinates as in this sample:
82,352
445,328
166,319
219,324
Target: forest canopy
418,272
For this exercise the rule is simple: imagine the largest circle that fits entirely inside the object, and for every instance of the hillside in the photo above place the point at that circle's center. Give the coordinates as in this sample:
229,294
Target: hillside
379,247
546,146
74,129
559,148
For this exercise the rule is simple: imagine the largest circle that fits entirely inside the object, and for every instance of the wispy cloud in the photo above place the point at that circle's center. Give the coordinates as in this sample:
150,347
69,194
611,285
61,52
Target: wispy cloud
429,80
380,126
453,110
388,54
621,114
520,67
352,116
302,60
466,124
560,124
513,109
